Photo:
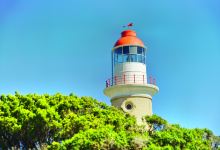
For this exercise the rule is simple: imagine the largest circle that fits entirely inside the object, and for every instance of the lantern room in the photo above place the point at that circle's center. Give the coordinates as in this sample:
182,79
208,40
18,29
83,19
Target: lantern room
130,53
128,60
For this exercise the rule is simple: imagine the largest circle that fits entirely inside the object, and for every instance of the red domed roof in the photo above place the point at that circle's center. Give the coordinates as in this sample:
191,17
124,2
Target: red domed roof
128,37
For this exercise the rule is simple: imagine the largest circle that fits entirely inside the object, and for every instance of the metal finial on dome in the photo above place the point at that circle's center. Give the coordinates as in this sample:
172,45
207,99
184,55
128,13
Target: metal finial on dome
128,25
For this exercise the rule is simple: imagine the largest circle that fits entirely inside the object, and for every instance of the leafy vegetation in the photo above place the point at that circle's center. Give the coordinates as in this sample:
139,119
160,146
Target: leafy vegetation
69,122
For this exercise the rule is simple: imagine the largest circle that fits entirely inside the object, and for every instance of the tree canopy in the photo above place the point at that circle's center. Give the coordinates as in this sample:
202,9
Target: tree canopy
59,121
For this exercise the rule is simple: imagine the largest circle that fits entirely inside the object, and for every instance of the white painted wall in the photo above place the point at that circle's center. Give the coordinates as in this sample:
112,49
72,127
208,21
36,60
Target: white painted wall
141,106
135,73
131,90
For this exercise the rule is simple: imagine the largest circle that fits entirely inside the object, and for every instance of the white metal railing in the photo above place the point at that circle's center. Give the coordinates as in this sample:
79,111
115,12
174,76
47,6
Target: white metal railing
129,79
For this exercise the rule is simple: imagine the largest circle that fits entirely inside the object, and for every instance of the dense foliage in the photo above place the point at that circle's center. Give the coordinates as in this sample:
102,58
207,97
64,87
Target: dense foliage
69,122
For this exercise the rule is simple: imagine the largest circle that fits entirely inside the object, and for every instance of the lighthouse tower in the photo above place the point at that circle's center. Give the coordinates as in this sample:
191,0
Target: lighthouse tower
128,87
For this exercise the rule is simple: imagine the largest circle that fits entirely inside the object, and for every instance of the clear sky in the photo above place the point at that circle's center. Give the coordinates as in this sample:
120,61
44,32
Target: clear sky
64,46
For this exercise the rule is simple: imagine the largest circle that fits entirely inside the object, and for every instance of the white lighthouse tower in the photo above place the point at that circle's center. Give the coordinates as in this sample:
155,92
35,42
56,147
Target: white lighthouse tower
128,87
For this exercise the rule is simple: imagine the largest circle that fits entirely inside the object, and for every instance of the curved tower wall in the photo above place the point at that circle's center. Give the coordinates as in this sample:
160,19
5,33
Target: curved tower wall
133,72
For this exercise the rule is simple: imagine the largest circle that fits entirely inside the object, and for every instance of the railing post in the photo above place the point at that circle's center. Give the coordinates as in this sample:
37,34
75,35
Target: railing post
109,82
124,78
115,80
154,81
151,80
134,78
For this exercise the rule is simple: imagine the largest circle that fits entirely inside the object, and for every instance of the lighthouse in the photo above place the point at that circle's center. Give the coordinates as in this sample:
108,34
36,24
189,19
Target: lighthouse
128,87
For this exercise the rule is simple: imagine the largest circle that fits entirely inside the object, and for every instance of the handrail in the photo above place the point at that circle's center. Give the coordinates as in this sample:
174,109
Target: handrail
129,79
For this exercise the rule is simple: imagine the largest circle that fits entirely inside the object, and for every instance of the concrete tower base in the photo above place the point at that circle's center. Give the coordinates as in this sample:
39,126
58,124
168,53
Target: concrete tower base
140,106
135,99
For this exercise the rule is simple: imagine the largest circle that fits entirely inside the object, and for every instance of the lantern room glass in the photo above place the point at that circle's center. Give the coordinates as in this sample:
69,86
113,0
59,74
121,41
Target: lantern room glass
128,54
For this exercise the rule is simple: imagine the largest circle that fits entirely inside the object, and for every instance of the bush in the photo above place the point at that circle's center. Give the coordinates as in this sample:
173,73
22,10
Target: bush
58,121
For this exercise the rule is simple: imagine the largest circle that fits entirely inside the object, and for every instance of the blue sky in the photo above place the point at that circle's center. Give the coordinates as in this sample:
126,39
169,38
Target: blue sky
64,46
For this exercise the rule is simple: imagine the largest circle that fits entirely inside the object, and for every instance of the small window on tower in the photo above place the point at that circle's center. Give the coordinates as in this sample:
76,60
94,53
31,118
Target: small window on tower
129,58
140,50
129,106
120,58
118,50
144,51
133,58
133,50
115,58
125,57
139,57
125,49
143,59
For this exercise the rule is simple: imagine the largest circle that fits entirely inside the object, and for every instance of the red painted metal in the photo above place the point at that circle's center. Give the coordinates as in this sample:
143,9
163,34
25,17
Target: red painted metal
128,37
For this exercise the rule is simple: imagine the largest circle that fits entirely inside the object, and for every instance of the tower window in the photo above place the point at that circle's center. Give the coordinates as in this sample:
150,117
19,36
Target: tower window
143,59
140,50
139,57
120,58
126,50
133,50
128,54
118,50
129,106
